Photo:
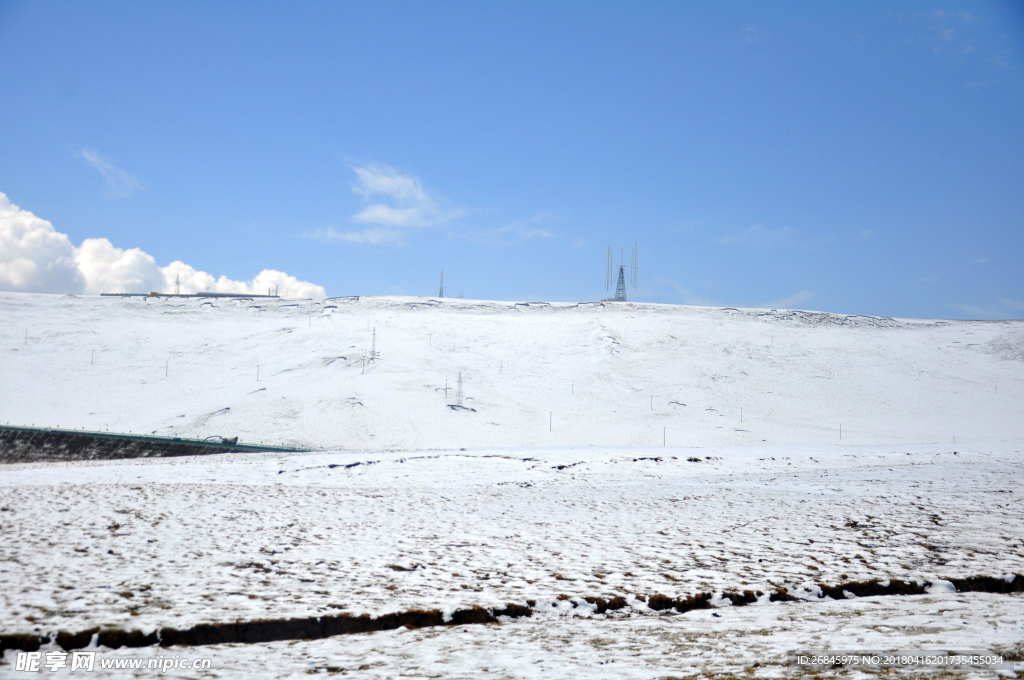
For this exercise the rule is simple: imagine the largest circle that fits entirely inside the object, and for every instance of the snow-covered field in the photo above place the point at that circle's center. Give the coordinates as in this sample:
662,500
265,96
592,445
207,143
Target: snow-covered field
744,642
557,484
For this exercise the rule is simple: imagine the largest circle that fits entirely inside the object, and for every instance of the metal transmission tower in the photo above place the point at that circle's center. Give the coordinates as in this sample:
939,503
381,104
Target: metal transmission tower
458,391
441,294
177,284
620,287
623,278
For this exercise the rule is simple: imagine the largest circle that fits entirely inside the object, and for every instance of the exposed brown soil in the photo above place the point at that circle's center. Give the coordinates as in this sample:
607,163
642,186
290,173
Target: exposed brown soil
315,628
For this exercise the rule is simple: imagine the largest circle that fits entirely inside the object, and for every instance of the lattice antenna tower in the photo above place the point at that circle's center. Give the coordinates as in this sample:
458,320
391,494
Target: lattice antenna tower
623,278
373,347
458,390
177,284
441,294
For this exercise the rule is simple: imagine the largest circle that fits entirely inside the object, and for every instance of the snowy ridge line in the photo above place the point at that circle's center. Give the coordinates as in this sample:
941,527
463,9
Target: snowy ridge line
822,318
32,444
240,296
319,627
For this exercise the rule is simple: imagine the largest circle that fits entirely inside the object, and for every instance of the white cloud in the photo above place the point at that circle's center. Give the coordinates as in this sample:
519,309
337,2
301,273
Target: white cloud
1002,60
949,32
980,312
119,183
687,227
935,279
35,257
520,230
993,312
685,296
789,302
370,235
408,206
761,236
113,270
199,282
942,15
754,35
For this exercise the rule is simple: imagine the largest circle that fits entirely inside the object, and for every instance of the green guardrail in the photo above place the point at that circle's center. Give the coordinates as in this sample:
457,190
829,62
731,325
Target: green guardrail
219,443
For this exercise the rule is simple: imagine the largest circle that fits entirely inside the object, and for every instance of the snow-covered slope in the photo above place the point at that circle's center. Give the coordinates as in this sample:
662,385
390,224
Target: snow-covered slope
536,374
563,491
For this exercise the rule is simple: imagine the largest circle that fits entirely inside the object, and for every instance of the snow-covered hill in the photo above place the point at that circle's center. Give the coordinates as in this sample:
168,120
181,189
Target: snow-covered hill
563,491
534,374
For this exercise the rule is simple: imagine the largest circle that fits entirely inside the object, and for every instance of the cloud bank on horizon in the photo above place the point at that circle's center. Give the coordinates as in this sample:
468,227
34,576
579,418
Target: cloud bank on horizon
36,258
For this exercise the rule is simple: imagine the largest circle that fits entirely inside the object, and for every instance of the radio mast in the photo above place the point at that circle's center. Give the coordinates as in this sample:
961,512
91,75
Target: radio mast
623,278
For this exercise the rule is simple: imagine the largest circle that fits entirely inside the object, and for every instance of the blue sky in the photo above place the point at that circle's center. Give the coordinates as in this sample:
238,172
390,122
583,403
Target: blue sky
860,157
